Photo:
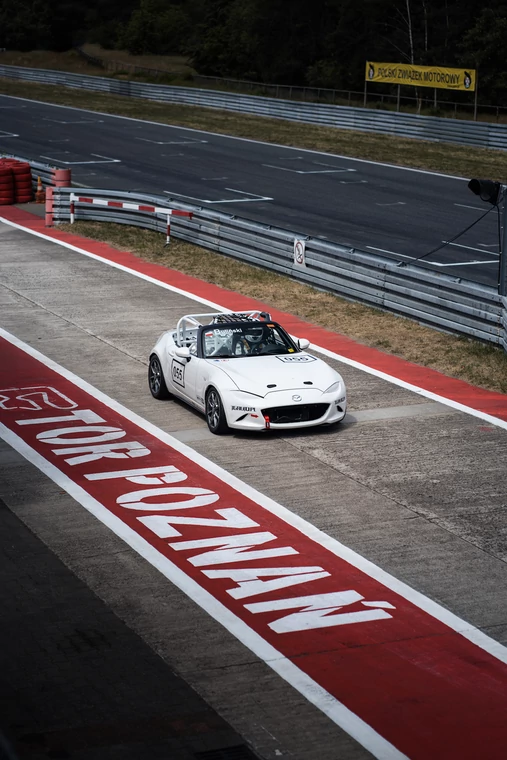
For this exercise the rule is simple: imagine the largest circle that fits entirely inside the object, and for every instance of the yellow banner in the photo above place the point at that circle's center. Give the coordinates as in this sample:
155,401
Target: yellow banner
421,76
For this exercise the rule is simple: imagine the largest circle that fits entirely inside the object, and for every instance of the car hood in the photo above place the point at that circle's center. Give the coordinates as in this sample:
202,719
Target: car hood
291,372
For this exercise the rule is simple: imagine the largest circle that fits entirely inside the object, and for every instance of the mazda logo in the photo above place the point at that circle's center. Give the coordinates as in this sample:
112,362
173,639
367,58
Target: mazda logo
296,398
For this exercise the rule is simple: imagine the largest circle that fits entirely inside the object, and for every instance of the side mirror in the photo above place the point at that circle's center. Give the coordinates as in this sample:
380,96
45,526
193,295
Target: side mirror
303,343
183,352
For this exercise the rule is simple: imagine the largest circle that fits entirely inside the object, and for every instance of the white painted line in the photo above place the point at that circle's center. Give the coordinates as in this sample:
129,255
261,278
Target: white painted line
141,122
333,166
7,134
188,197
309,171
339,357
470,248
393,253
254,199
80,121
245,200
438,263
394,203
475,208
171,142
464,263
105,160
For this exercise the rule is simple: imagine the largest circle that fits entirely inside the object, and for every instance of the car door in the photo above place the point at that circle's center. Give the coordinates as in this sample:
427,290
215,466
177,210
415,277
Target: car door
182,375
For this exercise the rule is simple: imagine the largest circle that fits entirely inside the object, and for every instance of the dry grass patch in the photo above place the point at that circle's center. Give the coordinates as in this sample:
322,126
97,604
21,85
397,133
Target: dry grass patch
47,59
469,360
173,64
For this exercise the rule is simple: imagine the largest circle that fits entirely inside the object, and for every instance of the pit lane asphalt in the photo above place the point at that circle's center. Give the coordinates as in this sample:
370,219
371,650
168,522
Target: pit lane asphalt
412,485
387,210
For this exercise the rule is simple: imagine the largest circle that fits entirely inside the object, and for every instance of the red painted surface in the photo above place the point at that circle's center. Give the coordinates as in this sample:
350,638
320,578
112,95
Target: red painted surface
486,401
418,683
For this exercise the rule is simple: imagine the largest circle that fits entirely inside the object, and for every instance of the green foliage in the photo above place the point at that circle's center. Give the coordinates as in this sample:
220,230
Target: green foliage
154,27
323,43
484,44
25,25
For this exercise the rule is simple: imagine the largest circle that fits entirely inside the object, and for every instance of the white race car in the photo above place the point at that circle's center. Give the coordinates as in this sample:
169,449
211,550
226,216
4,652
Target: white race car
244,371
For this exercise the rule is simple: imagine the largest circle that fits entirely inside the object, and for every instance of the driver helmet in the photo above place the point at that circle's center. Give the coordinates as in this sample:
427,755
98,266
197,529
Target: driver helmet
254,334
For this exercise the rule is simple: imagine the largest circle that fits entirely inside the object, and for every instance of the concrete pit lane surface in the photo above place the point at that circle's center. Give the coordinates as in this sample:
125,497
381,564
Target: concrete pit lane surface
329,592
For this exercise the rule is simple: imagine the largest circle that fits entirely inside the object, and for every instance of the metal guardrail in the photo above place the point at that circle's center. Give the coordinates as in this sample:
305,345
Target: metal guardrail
438,300
433,128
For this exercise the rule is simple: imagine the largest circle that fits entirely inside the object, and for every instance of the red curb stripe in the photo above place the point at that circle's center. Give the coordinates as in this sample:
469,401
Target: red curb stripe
480,399
416,681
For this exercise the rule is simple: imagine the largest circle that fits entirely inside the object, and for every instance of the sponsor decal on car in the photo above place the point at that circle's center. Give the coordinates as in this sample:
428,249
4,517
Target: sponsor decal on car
243,408
226,333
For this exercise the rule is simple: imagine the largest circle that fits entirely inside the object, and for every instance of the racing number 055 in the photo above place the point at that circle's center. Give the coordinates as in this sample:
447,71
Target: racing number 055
178,373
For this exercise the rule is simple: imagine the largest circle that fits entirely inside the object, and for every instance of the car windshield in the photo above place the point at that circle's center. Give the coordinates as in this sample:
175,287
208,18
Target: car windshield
246,339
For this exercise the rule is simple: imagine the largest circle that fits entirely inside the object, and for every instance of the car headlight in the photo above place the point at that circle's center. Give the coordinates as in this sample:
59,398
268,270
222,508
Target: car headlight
334,388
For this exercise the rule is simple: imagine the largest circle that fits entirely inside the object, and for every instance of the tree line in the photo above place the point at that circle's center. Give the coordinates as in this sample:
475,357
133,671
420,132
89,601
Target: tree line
323,43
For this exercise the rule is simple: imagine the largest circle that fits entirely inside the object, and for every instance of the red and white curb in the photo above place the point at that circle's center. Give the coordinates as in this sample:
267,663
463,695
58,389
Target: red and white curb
399,673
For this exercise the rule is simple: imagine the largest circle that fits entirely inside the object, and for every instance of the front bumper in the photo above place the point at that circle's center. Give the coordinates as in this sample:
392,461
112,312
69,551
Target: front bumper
279,411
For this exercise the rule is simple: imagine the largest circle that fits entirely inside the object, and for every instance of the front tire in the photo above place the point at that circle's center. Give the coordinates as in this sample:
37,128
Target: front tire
156,379
215,415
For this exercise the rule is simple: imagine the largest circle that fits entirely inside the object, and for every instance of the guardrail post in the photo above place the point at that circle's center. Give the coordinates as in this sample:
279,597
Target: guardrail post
72,208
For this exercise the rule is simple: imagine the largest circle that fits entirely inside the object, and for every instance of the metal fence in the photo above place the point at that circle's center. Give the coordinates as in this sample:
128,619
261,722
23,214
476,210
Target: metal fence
438,300
480,134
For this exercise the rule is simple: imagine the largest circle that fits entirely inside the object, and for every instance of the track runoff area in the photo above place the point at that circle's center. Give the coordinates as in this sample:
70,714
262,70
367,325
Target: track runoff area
401,674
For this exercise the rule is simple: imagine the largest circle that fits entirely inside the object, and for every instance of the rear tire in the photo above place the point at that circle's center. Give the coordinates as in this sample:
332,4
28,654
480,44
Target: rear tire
156,380
215,415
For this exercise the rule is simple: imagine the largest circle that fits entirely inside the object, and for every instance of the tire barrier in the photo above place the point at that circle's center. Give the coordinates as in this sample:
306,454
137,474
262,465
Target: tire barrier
6,184
16,181
60,177
51,176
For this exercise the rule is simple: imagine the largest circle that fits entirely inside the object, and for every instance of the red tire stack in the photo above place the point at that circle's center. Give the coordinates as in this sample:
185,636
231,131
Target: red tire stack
6,184
15,181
